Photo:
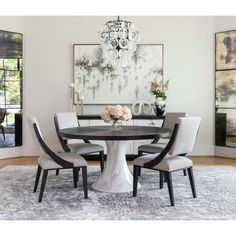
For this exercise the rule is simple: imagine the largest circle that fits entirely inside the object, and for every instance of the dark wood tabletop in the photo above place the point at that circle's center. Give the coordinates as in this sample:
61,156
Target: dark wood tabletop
106,133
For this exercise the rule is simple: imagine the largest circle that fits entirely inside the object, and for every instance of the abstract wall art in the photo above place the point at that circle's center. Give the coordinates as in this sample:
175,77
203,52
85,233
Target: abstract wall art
226,50
102,83
225,91
226,88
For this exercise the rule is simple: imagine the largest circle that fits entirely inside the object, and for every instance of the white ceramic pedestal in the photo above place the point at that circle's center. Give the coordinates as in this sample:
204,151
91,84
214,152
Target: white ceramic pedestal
116,176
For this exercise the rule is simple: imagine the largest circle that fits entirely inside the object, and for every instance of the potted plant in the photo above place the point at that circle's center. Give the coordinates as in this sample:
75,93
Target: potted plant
158,89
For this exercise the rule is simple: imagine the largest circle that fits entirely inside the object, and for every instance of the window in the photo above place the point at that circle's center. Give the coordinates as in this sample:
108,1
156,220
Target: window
10,87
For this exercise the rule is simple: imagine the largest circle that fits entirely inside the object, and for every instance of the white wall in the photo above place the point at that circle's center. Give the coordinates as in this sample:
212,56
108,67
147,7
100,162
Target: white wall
224,23
188,63
15,24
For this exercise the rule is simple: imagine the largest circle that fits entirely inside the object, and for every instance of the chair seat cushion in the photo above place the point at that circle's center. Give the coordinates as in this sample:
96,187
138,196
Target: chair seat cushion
152,147
169,163
48,163
143,159
85,148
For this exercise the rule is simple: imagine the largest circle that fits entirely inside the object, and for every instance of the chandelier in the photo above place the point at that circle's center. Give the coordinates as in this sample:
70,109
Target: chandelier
118,39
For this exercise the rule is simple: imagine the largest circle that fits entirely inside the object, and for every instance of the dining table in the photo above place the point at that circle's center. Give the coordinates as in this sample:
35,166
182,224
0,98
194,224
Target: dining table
116,176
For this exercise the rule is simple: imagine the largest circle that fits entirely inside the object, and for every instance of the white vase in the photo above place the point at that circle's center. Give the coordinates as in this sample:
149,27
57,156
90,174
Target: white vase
159,106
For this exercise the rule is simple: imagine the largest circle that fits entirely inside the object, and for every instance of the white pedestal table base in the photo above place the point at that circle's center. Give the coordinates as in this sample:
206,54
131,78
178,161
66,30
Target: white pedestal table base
116,176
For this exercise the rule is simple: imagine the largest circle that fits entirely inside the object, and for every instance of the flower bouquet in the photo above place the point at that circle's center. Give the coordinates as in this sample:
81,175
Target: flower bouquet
159,88
116,114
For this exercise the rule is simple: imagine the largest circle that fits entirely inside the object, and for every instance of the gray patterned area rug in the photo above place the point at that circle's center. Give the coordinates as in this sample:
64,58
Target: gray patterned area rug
216,189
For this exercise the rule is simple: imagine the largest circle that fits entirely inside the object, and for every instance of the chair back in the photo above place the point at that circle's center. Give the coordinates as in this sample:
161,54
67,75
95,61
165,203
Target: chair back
66,120
171,118
33,121
186,135
3,112
42,146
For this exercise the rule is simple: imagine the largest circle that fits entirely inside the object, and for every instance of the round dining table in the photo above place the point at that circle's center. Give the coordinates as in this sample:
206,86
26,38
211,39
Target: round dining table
116,176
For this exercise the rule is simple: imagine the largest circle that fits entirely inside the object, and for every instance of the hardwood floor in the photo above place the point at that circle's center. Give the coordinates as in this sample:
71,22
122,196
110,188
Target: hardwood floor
197,160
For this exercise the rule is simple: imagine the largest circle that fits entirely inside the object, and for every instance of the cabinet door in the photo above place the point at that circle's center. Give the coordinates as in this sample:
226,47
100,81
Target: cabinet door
157,123
98,123
84,122
138,143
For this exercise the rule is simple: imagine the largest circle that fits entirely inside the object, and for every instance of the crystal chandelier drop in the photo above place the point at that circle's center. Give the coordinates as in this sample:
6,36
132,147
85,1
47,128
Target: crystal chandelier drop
118,39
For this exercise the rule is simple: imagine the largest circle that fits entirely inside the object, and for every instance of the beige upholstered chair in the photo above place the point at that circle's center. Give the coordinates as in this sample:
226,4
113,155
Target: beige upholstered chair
64,120
48,160
158,145
171,158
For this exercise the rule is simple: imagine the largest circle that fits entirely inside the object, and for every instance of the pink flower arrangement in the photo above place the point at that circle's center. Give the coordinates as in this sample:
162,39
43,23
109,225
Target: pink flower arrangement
115,113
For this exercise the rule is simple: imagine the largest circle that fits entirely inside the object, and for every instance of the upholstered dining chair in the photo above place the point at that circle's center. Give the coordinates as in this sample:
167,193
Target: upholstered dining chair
3,113
157,146
65,120
171,158
48,160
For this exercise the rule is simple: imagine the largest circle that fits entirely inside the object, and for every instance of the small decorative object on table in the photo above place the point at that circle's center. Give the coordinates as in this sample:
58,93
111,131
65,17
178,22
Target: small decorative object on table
159,88
141,108
80,102
72,87
115,115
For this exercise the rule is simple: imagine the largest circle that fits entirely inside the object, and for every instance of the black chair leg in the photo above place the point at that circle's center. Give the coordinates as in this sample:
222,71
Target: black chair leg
102,161
75,176
161,179
85,185
37,178
135,179
57,172
192,183
170,187
140,153
185,172
78,169
3,132
45,174
139,172
165,180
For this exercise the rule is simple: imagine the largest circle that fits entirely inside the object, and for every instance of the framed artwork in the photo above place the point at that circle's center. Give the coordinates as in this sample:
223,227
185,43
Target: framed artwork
225,75
99,82
225,50
226,89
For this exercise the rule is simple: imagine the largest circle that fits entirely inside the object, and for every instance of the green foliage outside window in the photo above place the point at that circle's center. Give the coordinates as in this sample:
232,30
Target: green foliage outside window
10,81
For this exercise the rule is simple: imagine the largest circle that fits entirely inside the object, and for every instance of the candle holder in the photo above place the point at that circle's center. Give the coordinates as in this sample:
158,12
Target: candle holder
82,105
72,87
